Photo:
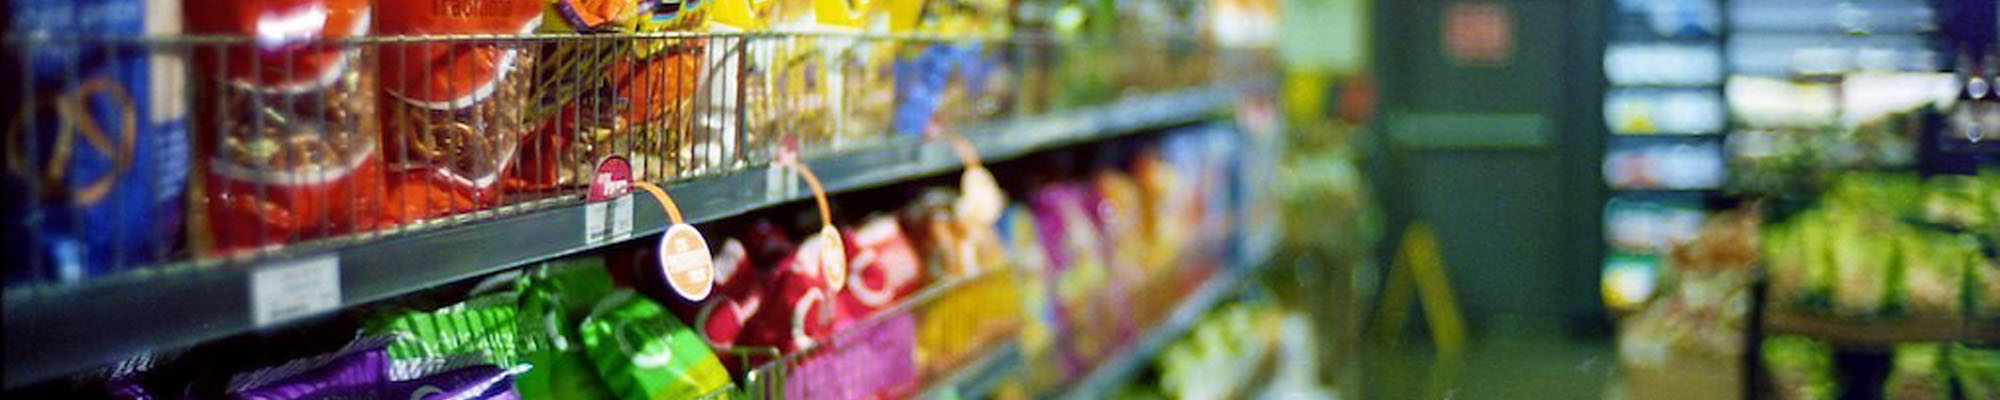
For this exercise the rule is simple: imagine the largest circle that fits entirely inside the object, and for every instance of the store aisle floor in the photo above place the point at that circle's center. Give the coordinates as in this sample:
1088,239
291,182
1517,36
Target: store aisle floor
1501,362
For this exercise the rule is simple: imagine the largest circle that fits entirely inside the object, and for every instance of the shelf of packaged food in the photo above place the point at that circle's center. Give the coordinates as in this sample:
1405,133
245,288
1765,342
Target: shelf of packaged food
1105,379
1865,334
57,330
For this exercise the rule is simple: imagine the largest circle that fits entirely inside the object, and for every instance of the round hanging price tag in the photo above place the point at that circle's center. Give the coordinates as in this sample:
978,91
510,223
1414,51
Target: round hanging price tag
833,258
686,263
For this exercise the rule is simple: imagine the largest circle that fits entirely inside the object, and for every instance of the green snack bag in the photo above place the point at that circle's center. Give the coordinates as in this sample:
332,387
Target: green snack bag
1978,372
1918,373
1800,368
483,326
644,353
553,301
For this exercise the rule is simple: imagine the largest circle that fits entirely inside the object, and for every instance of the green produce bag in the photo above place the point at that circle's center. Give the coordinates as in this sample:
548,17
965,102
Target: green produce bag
644,353
1864,264
1933,267
1919,373
1956,200
555,298
1978,372
1800,368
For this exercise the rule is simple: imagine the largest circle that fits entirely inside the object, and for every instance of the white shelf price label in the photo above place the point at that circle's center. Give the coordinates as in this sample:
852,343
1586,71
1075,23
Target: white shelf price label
621,218
594,232
292,289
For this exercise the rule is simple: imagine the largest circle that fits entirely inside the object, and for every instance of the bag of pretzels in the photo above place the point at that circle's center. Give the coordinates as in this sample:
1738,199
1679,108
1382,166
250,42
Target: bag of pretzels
286,123
95,141
455,88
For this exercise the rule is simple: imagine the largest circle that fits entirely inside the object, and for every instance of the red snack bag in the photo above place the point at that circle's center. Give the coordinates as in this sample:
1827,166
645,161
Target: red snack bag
286,131
453,109
801,312
737,299
883,267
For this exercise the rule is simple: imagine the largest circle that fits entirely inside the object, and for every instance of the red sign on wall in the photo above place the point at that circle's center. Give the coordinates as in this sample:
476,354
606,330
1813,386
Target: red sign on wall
1478,33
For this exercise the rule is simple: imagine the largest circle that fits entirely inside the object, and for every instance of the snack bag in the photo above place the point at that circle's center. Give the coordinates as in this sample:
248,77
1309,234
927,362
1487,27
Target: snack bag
483,327
555,298
449,380
655,83
358,371
288,132
1072,245
1043,323
453,111
883,266
644,353
803,309
97,152
572,109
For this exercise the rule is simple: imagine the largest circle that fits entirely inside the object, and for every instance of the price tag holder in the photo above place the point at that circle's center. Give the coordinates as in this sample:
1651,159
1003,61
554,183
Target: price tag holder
608,220
833,257
293,289
684,259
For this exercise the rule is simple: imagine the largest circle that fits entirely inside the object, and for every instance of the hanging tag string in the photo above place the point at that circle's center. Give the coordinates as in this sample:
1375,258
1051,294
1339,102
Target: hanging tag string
666,202
819,192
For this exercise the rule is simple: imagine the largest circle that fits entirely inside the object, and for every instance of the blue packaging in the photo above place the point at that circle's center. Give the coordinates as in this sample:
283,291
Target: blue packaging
97,147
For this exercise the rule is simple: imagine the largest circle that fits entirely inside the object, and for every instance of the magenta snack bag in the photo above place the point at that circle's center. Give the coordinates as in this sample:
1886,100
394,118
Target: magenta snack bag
358,371
871,362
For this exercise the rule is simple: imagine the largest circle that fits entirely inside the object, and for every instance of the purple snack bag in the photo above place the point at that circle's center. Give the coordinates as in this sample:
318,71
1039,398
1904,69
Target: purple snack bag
358,371
478,382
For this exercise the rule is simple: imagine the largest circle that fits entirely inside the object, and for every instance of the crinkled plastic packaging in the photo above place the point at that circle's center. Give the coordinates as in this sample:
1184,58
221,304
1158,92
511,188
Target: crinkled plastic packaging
453,111
644,353
287,130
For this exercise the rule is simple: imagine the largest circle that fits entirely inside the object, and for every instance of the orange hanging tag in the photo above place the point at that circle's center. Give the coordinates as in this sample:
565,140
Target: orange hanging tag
980,199
833,257
684,259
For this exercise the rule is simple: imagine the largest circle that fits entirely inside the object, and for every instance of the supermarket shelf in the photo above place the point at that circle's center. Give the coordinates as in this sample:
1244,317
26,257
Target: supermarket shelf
1112,373
56,331
976,380
1866,335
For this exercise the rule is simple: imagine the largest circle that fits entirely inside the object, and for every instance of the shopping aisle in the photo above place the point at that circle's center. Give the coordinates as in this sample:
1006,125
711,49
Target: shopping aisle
1518,360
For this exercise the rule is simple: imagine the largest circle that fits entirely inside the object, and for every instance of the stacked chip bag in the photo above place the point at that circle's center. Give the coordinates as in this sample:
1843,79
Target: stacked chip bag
1043,322
728,78
573,109
97,156
654,83
287,126
642,352
1074,251
453,110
